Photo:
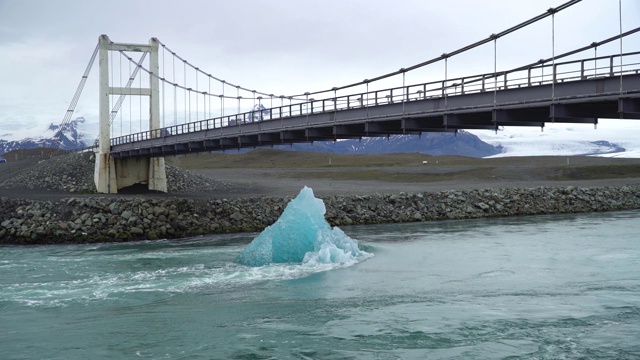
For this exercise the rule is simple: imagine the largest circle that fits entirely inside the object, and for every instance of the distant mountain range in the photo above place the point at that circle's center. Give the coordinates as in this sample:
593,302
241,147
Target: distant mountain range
435,144
555,140
70,137
65,137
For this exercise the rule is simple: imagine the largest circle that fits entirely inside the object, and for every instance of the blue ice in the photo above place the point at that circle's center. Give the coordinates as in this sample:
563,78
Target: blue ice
301,235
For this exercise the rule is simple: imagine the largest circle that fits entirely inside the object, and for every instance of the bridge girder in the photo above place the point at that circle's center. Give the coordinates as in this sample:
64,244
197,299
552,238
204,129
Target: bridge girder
269,138
425,124
629,108
319,134
386,128
351,131
580,113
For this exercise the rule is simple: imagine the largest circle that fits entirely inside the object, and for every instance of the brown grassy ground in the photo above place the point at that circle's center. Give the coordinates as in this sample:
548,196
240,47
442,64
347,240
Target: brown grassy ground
280,173
284,173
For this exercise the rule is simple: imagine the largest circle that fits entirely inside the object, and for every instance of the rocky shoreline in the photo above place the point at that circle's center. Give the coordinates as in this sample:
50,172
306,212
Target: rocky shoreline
118,219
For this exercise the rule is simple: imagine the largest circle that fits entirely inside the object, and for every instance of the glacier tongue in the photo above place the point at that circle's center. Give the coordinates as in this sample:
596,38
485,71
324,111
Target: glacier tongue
301,235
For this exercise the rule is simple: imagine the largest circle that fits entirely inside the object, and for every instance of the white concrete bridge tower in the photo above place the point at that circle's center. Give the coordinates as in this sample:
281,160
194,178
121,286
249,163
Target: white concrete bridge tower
112,174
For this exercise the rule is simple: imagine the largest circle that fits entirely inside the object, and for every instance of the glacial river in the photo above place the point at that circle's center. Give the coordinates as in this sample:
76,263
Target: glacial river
543,287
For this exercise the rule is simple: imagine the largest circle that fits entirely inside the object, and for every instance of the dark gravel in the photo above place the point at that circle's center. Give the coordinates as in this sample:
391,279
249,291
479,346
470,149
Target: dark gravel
72,174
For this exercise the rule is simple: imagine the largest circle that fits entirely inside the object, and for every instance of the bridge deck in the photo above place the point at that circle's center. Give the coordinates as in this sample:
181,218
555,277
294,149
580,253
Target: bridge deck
579,101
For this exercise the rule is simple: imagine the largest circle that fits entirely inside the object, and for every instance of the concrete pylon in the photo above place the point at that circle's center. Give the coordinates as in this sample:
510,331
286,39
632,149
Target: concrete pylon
111,173
105,174
157,176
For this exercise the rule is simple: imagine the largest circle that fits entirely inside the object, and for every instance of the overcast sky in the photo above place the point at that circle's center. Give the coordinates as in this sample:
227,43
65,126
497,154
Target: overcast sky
278,46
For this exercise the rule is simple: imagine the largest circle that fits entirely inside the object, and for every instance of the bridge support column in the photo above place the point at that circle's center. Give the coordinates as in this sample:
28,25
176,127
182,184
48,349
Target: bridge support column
110,173
157,174
131,171
105,174
114,174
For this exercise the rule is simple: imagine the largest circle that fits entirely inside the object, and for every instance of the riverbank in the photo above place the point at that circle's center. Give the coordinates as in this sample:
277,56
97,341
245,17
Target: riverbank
116,219
52,201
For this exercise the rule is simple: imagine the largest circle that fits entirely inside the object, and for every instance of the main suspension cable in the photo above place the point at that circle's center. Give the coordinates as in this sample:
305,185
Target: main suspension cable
461,50
76,97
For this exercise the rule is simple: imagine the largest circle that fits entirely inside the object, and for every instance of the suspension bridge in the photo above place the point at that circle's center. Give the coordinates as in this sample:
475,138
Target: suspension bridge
184,115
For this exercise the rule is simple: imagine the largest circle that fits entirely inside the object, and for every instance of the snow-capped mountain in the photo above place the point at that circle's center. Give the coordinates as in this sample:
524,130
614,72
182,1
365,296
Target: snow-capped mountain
67,137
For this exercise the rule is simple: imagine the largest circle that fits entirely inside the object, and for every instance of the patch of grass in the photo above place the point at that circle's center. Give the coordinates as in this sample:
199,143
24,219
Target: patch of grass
596,172
281,159
381,175
408,167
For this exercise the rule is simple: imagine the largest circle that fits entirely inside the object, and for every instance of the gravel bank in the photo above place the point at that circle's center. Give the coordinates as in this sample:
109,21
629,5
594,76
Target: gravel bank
53,201
109,219
73,173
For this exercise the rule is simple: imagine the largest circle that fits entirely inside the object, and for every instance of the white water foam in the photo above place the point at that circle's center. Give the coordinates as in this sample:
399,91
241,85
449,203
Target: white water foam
299,244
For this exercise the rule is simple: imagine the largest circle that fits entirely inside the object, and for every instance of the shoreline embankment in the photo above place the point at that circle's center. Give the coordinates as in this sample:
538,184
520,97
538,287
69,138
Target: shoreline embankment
119,219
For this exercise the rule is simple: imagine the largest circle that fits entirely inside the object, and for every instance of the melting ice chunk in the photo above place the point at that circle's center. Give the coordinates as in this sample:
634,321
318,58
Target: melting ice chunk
301,235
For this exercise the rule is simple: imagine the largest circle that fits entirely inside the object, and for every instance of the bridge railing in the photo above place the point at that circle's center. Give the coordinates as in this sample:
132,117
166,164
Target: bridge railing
542,73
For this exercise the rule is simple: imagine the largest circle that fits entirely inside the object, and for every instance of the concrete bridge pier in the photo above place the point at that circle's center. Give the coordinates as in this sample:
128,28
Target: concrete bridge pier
104,175
112,174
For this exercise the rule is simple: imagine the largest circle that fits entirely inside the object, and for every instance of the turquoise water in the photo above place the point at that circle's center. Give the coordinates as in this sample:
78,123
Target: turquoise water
546,287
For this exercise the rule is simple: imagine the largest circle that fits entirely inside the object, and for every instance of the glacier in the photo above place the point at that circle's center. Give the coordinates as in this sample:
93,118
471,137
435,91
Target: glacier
611,138
302,235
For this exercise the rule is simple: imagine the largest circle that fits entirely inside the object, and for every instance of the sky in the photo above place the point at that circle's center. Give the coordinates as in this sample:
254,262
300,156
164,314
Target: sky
281,46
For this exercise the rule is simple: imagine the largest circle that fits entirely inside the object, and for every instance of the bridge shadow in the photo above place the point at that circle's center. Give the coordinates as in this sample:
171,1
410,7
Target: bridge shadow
138,189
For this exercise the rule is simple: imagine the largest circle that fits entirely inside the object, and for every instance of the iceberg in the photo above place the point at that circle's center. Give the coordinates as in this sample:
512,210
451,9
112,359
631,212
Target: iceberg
302,235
